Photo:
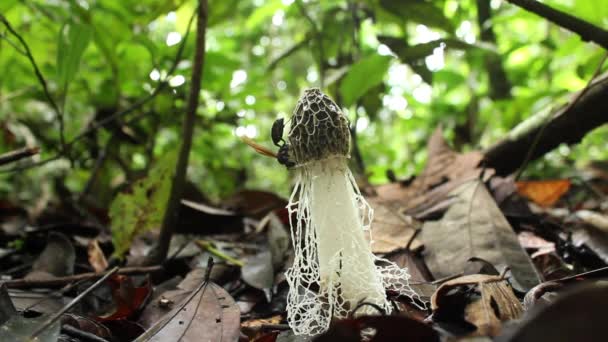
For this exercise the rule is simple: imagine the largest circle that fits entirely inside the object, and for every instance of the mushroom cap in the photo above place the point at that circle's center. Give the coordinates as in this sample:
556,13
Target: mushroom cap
318,129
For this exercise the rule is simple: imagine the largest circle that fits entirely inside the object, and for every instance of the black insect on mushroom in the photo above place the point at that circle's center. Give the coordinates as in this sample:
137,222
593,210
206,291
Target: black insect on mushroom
277,139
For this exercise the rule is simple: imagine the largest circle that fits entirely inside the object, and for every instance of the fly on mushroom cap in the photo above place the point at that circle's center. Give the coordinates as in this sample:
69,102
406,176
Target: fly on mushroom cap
319,129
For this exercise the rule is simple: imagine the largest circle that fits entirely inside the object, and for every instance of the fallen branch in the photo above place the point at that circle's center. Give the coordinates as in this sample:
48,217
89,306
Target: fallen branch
61,281
569,125
587,31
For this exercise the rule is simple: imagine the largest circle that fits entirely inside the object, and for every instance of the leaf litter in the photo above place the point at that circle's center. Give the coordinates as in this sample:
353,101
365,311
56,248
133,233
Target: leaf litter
492,257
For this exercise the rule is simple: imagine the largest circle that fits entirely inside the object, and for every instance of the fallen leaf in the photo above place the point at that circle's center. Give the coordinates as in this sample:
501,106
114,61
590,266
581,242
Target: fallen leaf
253,327
594,219
578,315
390,229
258,271
128,298
86,324
594,239
475,227
494,304
543,193
216,220
254,203
395,204
471,279
97,258
208,314
420,278
497,304
7,309
278,240
56,260
444,171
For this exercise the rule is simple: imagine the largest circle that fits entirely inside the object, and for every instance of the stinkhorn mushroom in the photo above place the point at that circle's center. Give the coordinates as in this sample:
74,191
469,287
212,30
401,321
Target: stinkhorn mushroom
334,269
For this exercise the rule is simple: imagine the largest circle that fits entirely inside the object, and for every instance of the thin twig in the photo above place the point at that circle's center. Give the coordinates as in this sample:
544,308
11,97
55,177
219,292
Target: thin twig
586,30
73,302
41,79
61,281
19,154
288,52
179,178
576,98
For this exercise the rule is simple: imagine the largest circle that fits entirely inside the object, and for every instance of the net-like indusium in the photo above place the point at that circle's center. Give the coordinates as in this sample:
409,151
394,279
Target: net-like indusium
334,269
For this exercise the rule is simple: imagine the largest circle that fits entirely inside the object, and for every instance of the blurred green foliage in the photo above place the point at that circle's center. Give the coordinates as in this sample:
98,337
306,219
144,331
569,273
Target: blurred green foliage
398,68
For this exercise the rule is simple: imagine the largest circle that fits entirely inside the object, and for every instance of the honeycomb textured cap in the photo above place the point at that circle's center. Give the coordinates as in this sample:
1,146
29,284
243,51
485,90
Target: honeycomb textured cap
318,128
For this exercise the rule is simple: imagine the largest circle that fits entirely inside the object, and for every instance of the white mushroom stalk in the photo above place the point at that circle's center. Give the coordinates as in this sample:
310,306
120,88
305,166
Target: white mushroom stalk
334,269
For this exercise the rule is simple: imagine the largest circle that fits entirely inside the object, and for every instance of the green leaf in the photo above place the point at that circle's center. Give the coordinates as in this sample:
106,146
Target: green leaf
414,55
219,11
74,38
362,76
419,11
409,53
6,5
140,210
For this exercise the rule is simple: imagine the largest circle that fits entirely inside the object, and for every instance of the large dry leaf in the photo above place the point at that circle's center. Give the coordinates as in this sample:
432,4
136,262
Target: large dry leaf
390,229
474,226
444,170
396,204
210,314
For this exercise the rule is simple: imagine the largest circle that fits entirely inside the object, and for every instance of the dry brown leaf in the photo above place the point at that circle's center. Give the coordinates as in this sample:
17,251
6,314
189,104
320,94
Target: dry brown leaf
576,315
396,204
475,227
543,193
209,314
391,230
470,279
497,304
253,327
97,258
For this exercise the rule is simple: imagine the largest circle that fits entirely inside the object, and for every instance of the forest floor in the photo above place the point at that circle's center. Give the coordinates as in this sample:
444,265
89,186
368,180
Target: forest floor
491,258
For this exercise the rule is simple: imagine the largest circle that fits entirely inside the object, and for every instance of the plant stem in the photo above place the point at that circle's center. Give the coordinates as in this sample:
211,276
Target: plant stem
179,178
